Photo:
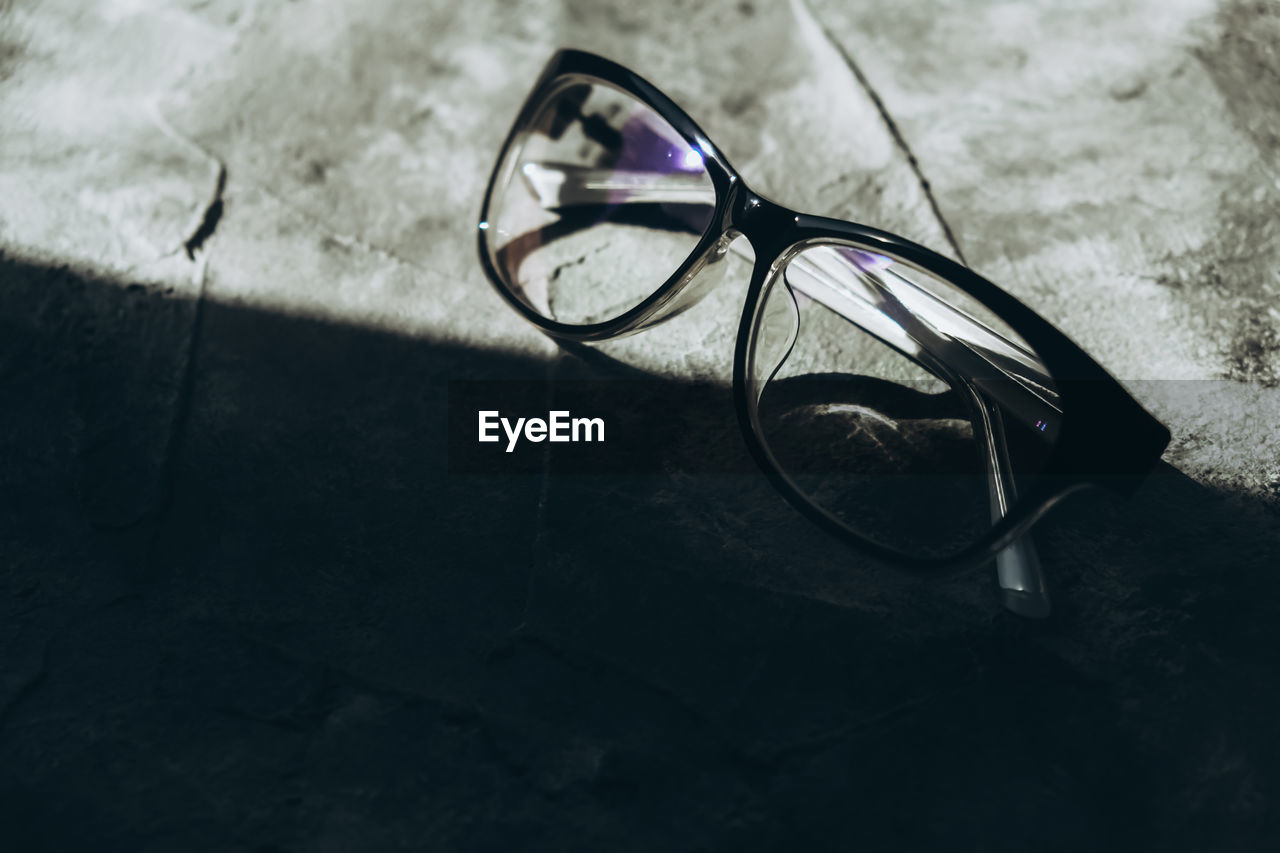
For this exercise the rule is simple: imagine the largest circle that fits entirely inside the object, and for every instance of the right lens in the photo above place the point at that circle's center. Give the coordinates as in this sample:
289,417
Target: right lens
896,403
598,201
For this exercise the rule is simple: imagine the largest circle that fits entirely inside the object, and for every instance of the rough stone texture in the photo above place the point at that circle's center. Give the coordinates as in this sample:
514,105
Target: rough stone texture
246,607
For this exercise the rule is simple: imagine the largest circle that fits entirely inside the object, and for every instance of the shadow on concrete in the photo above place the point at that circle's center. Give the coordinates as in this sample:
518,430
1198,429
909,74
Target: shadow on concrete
247,608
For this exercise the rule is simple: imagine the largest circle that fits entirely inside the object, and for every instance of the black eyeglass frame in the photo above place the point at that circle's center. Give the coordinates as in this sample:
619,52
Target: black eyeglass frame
1105,437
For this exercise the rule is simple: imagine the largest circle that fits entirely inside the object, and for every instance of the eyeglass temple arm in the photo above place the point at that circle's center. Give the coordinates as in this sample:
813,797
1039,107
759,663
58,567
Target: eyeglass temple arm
1018,570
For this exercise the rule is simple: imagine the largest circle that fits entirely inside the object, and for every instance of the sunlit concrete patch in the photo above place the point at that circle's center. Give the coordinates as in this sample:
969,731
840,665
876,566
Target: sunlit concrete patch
379,121
388,138
1239,453
87,170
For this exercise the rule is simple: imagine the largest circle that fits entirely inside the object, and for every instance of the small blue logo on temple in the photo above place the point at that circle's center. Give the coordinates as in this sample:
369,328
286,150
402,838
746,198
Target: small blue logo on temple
1042,425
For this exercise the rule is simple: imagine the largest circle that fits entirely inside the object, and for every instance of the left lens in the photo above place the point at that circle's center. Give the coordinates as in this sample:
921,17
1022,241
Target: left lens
894,402
597,202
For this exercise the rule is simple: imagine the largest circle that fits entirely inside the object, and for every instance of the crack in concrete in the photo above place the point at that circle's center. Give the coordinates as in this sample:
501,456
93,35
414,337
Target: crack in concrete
209,217
205,220
892,126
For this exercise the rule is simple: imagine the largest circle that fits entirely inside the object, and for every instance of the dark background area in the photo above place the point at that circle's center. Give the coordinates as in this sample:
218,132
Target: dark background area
246,606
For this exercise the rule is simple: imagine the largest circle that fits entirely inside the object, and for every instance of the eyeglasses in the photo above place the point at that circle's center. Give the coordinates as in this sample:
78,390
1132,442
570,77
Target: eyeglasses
898,399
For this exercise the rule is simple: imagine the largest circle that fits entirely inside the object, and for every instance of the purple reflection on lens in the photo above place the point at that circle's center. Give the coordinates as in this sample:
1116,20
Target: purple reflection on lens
646,148
866,261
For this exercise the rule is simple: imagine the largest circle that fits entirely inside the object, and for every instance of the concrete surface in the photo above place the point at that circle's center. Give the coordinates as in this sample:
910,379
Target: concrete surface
246,608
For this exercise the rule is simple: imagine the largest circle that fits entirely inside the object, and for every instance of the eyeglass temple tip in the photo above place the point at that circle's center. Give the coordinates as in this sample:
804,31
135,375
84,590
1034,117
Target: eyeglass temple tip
1022,587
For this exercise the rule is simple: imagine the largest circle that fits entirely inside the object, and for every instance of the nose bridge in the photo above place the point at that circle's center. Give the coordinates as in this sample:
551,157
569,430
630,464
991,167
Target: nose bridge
767,225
